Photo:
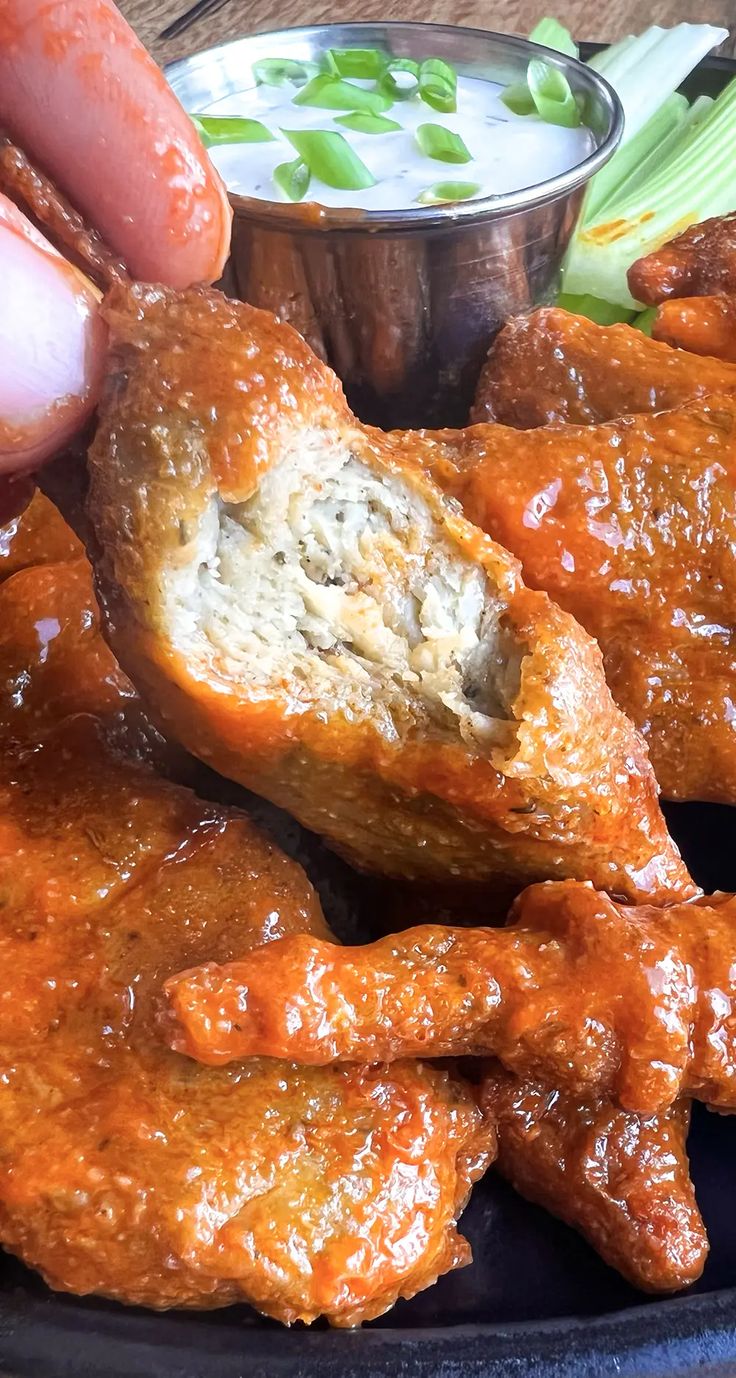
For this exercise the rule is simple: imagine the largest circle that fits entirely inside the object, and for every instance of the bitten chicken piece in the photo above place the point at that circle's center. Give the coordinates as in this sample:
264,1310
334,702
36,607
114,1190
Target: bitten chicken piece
622,1180
554,366
631,527
700,261
703,325
592,997
125,1171
303,609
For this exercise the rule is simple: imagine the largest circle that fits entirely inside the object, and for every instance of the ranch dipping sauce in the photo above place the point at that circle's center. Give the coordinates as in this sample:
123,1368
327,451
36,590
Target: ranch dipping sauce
491,149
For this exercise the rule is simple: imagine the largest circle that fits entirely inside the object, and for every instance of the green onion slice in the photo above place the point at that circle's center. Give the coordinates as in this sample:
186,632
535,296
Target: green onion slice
442,192
438,84
551,34
437,142
518,98
329,156
292,179
363,123
276,71
363,63
331,93
551,93
214,130
400,81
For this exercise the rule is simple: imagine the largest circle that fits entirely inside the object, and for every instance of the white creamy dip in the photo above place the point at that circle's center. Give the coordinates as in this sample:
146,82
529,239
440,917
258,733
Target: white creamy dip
508,151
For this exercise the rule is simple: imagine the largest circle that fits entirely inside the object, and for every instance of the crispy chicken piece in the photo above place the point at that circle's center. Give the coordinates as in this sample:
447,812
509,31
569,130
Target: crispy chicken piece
126,1171
622,1180
630,527
703,325
700,261
303,609
36,535
593,997
552,366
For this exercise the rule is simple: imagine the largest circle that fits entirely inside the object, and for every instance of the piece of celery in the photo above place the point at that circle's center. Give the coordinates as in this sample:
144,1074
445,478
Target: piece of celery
604,61
631,157
602,312
676,141
645,320
695,180
644,71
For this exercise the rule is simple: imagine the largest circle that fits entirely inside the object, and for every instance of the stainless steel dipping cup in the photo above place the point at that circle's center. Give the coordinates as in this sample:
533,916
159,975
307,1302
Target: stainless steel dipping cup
404,304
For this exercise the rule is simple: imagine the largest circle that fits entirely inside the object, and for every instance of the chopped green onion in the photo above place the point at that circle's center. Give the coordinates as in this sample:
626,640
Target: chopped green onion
329,156
518,98
221,129
363,63
438,84
276,71
292,179
331,93
363,123
551,93
437,142
551,34
442,192
400,81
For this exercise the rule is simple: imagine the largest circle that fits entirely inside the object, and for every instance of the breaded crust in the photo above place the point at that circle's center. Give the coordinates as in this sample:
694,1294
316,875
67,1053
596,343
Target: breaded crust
502,759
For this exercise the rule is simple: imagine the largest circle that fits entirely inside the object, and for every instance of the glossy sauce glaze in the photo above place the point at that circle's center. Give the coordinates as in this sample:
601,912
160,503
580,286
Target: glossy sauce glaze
124,1170
623,1180
598,999
628,524
702,325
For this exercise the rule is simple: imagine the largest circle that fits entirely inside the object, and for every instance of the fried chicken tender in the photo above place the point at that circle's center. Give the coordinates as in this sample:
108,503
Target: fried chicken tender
629,526
592,997
697,263
126,1171
622,1180
303,609
703,325
552,366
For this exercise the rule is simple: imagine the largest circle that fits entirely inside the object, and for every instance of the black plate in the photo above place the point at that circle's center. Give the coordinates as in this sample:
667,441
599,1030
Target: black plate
536,1303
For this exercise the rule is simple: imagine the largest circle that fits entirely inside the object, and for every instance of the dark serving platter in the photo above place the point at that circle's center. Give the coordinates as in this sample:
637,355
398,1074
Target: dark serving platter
536,1302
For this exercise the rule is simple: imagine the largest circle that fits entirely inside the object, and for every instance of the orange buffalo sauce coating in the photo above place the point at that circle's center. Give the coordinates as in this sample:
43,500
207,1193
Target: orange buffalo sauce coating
623,1180
700,260
124,1170
554,366
702,325
595,998
567,789
630,526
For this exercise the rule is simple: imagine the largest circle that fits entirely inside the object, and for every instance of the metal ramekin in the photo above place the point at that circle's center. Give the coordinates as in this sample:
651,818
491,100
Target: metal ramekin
404,304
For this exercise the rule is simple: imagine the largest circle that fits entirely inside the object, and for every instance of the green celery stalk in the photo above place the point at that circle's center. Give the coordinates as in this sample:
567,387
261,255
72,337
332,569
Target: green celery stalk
645,320
602,312
604,61
631,157
673,144
696,180
646,70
